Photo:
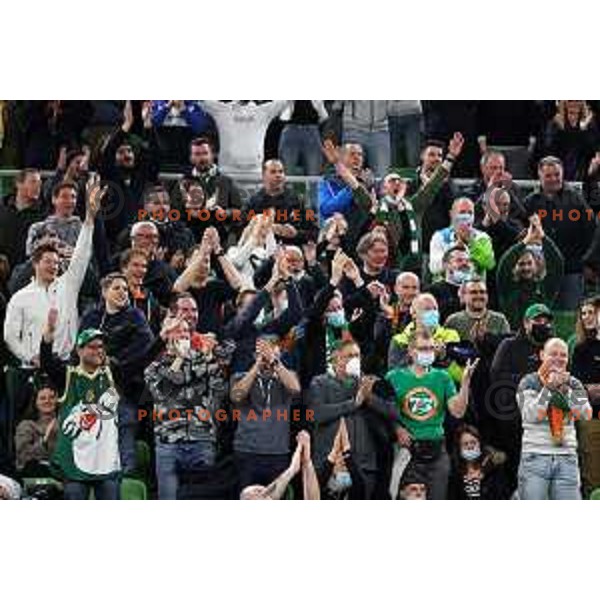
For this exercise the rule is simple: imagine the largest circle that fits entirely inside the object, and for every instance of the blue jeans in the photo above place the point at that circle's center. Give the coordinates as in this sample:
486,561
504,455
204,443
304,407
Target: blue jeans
104,489
128,424
549,477
300,146
376,145
172,459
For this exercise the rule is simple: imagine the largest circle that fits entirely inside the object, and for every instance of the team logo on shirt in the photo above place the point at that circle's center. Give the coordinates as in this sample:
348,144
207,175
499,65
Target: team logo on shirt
420,404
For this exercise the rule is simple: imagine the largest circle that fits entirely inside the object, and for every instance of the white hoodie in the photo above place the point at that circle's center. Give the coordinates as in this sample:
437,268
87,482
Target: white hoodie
242,129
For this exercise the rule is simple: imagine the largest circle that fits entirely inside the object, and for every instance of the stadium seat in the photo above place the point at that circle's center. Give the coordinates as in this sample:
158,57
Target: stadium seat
133,489
595,495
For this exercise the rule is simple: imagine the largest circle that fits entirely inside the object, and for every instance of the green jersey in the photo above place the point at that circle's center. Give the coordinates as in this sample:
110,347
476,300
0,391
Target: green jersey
87,447
422,401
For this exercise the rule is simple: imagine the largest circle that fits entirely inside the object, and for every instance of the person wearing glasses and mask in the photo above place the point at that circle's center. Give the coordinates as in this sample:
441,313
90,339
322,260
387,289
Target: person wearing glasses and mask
344,402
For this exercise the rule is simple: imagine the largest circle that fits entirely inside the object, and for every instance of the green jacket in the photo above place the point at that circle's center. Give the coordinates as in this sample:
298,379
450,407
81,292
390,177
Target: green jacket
516,296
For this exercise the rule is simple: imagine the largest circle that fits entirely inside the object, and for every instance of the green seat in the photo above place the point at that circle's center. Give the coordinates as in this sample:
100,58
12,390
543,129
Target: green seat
595,495
133,489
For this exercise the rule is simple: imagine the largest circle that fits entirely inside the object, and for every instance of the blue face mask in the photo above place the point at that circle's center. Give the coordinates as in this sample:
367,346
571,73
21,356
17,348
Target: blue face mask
471,455
337,318
340,481
425,359
430,318
460,276
464,219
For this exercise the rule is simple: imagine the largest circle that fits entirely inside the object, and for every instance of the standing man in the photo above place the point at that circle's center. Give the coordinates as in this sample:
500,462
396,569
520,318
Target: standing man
264,395
344,397
423,395
569,221
86,456
188,387
242,127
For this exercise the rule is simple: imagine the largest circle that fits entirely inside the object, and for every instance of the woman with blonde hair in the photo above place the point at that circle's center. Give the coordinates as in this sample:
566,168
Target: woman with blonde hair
256,244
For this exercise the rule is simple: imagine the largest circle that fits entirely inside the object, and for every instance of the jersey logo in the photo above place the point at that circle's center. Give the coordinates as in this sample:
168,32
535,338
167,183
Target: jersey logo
420,404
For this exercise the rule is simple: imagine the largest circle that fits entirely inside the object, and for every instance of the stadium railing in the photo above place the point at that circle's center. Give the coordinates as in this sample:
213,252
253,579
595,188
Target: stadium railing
306,187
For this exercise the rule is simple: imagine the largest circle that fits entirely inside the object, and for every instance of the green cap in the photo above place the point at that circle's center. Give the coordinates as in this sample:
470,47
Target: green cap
87,335
538,310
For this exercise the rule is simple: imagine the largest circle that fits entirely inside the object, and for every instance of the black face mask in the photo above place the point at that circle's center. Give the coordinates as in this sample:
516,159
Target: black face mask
541,332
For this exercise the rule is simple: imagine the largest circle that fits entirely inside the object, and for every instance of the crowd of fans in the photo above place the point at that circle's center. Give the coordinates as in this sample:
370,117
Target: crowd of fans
400,336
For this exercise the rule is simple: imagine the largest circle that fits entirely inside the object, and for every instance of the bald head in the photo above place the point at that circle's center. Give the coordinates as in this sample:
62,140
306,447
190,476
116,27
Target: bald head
274,177
555,354
255,492
353,157
407,287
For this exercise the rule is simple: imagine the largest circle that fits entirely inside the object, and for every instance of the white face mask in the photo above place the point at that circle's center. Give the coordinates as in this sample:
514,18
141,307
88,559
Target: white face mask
353,367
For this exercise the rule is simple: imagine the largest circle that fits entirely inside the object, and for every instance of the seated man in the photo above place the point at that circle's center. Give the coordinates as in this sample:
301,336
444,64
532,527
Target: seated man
461,231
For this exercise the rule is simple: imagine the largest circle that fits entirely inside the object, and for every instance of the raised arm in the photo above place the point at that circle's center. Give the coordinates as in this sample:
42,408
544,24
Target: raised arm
457,405
310,482
82,253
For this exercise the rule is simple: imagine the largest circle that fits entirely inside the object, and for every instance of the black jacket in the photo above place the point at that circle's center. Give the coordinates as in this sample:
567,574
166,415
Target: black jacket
14,225
331,399
126,187
572,231
129,343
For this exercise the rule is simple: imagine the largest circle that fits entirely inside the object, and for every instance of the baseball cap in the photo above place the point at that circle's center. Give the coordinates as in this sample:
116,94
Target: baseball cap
87,335
538,310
